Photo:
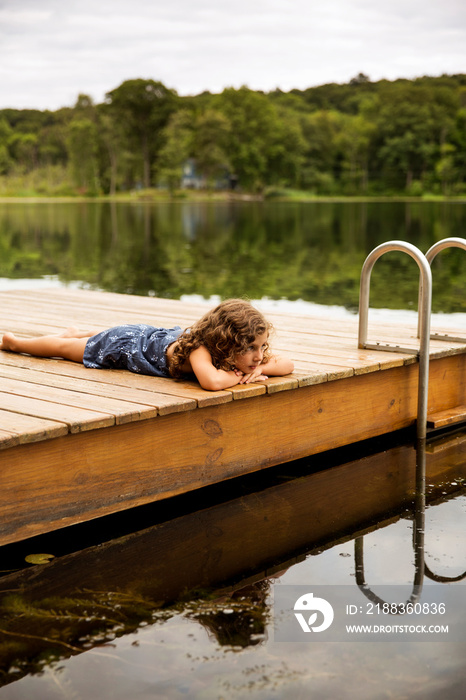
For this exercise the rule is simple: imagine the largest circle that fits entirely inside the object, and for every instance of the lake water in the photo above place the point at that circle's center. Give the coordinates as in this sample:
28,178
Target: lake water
308,251
179,601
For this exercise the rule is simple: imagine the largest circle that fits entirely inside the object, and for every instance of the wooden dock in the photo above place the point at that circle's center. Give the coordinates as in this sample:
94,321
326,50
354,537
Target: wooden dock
79,443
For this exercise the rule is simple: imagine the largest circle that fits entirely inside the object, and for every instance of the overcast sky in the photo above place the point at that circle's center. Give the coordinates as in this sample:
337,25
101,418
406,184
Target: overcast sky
52,50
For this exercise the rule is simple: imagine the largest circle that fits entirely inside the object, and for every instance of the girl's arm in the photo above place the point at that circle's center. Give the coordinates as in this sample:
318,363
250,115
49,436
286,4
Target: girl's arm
208,376
213,379
275,367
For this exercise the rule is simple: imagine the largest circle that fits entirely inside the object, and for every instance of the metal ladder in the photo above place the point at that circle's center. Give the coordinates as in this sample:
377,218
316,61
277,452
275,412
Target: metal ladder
424,313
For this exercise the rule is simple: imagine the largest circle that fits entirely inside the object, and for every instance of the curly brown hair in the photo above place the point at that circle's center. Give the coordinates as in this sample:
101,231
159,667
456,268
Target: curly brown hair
225,331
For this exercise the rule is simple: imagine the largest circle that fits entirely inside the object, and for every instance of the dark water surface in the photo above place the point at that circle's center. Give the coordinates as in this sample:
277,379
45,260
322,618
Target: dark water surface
310,251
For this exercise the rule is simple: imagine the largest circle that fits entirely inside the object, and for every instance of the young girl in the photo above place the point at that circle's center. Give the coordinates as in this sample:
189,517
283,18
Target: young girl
229,345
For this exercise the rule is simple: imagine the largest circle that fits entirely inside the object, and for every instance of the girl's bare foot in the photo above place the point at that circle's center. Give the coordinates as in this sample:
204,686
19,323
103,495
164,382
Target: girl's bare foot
8,342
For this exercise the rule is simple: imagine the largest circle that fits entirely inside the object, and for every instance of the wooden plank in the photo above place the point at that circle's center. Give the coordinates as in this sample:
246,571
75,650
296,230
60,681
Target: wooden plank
326,345
448,417
123,411
276,384
8,440
309,346
246,391
331,371
24,428
308,377
406,336
346,358
77,419
192,389
64,312
81,383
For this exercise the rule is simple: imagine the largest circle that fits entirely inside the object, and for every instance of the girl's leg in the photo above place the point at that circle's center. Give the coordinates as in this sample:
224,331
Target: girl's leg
70,345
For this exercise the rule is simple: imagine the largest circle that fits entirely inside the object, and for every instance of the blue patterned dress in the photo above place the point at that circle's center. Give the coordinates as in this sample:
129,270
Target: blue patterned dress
139,348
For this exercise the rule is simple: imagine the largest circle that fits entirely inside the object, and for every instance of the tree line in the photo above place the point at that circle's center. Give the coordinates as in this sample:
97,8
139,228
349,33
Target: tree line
359,138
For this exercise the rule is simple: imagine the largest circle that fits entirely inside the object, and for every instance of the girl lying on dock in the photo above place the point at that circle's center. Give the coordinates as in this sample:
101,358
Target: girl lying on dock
229,345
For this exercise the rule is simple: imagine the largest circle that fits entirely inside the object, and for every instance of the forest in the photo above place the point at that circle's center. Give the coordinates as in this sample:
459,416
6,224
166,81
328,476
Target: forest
363,138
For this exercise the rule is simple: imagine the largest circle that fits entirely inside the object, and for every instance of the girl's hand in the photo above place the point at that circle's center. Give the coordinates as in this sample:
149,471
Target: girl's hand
255,376
236,375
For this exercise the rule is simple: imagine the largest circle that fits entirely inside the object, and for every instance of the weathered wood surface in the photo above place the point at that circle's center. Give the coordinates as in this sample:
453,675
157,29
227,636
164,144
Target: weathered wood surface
448,417
80,443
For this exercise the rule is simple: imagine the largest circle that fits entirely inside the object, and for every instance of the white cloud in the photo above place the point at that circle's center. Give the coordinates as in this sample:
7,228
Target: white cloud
51,50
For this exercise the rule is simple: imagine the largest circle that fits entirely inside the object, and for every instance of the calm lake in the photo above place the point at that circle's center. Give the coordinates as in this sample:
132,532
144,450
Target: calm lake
309,251
179,600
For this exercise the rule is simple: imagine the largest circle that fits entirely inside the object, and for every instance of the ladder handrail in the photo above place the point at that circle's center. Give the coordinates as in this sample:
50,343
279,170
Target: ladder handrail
453,242
421,570
424,312
418,536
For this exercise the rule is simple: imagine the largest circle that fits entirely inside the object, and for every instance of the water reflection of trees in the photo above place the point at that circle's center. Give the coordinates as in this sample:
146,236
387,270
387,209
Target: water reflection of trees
37,634
276,249
238,620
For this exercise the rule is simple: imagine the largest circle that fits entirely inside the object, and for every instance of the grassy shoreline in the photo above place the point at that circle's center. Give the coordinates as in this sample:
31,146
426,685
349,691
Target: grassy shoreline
163,196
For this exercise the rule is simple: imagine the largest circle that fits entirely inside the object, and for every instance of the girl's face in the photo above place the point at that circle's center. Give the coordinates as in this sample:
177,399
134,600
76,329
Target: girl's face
249,360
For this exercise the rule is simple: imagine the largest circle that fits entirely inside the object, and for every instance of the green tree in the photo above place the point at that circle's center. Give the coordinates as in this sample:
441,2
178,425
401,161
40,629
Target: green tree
412,123
211,136
84,107
6,133
252,122
321,130
112,149
354,140
144,107
287,148
176,149
52,149
25,150
458,139
445,167
82,151
262,147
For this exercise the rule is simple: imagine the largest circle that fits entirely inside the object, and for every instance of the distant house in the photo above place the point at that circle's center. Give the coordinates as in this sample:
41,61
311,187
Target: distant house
192,179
